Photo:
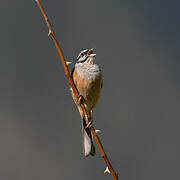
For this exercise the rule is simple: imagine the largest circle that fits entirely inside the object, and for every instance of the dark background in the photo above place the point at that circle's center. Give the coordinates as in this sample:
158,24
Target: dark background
137,44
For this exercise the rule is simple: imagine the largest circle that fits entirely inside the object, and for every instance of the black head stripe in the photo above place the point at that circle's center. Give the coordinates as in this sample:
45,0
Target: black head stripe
82,53
82,60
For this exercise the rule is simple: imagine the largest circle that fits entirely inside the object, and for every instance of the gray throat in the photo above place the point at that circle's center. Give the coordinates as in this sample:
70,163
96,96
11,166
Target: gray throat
90,71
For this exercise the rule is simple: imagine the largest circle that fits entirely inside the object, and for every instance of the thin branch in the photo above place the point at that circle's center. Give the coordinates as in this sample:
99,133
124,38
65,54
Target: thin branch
72,85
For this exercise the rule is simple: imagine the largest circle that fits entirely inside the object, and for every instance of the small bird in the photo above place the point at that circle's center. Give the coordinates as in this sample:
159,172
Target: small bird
87,78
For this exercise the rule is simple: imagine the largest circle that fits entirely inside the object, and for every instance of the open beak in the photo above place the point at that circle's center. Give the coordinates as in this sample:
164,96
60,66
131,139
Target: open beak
90,51
92,55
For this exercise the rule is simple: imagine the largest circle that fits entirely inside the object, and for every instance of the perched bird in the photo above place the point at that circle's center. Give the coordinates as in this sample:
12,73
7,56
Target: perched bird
87,78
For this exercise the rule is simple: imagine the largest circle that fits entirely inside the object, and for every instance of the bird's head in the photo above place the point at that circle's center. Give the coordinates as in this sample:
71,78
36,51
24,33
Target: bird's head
86,56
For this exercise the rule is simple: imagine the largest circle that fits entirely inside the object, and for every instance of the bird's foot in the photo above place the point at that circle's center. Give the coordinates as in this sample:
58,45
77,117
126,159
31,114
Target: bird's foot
80,99
89,123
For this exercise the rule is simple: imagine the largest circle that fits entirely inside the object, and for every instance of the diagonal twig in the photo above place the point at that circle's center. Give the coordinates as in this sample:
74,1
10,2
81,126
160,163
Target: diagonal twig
71,83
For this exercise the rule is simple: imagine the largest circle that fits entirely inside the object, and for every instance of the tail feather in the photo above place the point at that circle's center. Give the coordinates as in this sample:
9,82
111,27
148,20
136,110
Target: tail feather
87,141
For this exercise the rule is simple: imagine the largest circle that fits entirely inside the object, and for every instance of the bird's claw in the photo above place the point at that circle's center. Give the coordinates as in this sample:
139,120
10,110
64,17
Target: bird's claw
89,123
80,99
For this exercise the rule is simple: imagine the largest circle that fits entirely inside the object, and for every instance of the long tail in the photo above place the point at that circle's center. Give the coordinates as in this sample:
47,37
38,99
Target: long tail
87,141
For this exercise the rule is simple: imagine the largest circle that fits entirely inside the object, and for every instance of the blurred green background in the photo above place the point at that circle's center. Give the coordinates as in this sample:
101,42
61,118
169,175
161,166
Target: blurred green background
137,45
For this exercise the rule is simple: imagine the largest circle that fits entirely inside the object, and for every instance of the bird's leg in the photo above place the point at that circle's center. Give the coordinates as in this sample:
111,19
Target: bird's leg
80,99
89,123
90,118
